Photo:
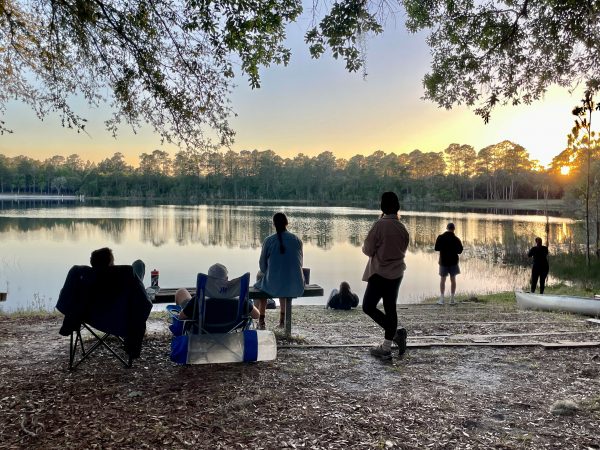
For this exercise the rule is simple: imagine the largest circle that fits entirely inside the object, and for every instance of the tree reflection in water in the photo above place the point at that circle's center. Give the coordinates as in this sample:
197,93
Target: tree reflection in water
184,240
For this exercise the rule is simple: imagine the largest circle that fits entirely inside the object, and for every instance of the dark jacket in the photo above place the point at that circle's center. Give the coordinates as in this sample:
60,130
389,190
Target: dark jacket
539,253
343,301
449,247
112,300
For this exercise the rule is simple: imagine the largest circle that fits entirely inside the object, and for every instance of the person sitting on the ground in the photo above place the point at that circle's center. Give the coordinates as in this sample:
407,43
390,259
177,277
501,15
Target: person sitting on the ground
342,299
187,302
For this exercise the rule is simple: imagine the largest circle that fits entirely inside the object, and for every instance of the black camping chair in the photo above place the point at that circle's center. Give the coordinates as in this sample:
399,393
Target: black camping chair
110,302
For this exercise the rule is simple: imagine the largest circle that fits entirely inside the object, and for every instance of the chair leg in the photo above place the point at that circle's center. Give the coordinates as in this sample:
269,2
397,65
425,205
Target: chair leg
77,340
74,342
108,347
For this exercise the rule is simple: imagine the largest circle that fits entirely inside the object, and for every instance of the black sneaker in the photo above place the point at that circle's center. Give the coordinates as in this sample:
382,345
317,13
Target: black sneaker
380,353
400,340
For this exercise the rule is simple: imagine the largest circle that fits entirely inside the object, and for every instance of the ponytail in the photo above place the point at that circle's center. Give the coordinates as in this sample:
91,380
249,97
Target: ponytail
281,246
280,221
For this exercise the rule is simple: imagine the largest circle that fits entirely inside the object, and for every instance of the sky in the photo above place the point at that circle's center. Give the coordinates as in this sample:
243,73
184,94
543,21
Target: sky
312,106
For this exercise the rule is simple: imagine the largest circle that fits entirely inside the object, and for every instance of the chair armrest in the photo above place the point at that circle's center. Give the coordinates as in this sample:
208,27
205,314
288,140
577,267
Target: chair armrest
173,309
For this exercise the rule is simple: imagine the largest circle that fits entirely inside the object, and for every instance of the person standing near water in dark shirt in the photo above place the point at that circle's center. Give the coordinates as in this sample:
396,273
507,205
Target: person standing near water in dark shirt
449,246
540,267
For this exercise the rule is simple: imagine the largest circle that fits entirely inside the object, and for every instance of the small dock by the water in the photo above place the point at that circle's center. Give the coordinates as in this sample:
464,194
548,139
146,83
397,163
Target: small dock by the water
41,197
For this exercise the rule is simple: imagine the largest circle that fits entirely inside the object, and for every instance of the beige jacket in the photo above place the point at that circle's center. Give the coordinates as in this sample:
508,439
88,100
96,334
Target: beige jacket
386,245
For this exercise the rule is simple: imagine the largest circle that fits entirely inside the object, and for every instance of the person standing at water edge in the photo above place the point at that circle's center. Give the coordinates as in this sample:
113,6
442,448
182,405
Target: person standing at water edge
449,246
540,267
385,245
281,263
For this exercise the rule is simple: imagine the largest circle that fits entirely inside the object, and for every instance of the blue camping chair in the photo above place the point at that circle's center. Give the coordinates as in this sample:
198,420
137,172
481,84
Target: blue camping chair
219,329
219,306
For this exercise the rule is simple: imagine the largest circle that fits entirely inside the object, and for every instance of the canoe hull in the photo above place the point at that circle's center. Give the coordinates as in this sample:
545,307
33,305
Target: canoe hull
579,305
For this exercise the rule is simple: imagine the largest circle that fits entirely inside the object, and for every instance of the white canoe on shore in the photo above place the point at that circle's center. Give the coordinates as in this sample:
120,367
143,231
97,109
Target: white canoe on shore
588,306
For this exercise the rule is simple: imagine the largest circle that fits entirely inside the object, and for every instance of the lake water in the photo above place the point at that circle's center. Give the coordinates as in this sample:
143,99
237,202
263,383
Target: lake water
40,244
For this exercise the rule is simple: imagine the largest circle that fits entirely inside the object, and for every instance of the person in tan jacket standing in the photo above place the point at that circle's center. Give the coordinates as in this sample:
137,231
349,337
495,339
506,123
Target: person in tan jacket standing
386,245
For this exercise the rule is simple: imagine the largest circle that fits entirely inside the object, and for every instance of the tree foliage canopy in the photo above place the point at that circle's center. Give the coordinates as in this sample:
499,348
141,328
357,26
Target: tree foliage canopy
169,63
494,52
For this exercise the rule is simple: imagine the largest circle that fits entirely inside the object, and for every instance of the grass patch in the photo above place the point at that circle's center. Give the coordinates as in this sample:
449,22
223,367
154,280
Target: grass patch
283,339
573,267
591,405
498,298
39,306
29,313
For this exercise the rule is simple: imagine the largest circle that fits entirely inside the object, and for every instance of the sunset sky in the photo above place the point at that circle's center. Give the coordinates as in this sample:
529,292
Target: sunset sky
315,105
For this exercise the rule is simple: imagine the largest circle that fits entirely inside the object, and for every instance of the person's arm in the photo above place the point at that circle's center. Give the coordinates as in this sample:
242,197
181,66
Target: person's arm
370,245
438,244
459,246
355,301
331,295
530,254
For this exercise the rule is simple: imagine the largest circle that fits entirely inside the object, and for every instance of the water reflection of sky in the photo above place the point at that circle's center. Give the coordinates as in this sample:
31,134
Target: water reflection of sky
40,244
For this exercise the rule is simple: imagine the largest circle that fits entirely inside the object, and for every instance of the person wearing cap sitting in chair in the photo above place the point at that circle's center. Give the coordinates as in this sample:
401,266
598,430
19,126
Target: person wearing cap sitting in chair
449,246
184,299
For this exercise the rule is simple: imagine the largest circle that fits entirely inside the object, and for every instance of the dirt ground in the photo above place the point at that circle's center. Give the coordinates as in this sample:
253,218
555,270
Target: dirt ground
439,397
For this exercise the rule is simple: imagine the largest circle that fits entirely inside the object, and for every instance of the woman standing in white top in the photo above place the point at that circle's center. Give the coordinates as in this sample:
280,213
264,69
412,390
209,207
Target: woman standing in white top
386,245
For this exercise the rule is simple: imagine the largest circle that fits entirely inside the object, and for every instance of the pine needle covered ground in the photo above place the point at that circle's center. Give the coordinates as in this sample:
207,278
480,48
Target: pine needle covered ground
434,397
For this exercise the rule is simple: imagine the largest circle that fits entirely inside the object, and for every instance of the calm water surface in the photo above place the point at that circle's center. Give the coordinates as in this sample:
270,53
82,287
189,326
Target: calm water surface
40,244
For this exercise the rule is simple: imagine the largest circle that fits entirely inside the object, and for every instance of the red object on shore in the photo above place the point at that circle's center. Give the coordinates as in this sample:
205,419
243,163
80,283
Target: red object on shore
154,278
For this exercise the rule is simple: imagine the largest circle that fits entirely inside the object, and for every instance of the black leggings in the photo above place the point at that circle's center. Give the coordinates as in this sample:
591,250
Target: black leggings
541,274
382,288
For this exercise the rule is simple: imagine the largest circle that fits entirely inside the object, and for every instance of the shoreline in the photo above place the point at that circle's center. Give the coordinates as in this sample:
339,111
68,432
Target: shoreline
553,205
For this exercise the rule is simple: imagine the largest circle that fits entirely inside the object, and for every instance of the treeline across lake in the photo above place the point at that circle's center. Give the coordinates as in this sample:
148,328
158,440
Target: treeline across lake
501,171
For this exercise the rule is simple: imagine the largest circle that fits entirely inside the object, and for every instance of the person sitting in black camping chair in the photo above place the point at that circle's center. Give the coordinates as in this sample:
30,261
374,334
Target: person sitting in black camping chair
107,298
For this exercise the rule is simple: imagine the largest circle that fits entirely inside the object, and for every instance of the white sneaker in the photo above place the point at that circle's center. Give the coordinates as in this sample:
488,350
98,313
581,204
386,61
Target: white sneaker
452,302
440,301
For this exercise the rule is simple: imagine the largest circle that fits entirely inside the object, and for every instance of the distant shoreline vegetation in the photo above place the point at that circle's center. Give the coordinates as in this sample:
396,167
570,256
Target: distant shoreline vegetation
499,172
